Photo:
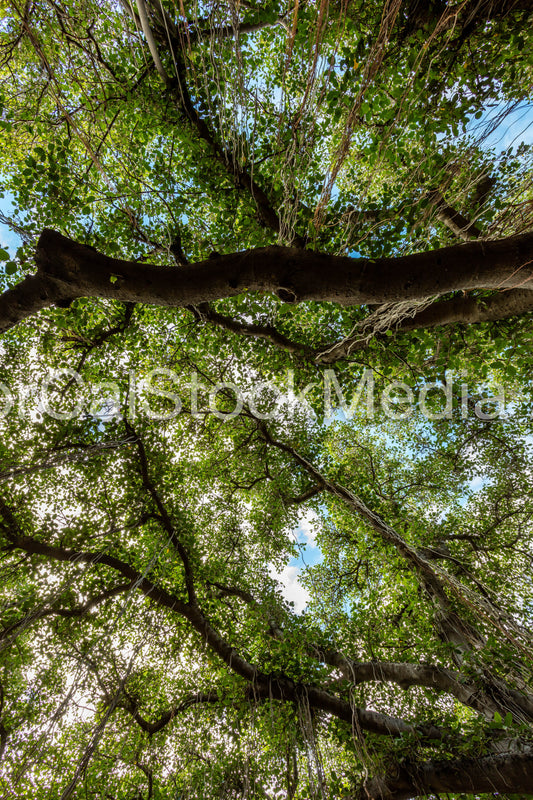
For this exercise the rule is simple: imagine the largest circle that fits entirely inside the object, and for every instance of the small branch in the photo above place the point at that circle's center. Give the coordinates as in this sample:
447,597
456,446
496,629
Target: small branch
199,698
204,312
77,611
164,515
455,221
80,453
420,565
229,31
233,591
304,496
99,340
484,186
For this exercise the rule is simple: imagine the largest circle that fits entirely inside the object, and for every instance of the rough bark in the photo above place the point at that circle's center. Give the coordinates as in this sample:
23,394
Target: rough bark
504,772
67,269
430,676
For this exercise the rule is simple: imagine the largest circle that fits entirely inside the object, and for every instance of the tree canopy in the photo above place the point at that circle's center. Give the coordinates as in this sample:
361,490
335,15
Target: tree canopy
266,304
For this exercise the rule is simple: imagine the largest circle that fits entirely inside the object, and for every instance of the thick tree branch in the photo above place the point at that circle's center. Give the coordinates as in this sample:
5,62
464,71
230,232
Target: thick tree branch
67,269
484,186
504,772
464,310
286,690
468,310
25,299
440,679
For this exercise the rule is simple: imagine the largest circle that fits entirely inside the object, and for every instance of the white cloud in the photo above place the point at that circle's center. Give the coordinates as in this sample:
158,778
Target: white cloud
305,533
292,590
478,483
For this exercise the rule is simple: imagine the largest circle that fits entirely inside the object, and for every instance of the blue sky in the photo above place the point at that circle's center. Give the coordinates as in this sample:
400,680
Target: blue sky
516,128
8,239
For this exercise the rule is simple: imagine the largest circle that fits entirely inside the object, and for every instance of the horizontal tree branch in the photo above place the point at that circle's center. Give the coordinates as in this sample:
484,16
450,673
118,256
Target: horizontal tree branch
457,310
504,772
67,269
406,674
278,689
467,310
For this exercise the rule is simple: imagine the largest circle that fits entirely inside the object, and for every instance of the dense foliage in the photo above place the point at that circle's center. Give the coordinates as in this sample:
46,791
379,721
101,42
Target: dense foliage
242,191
